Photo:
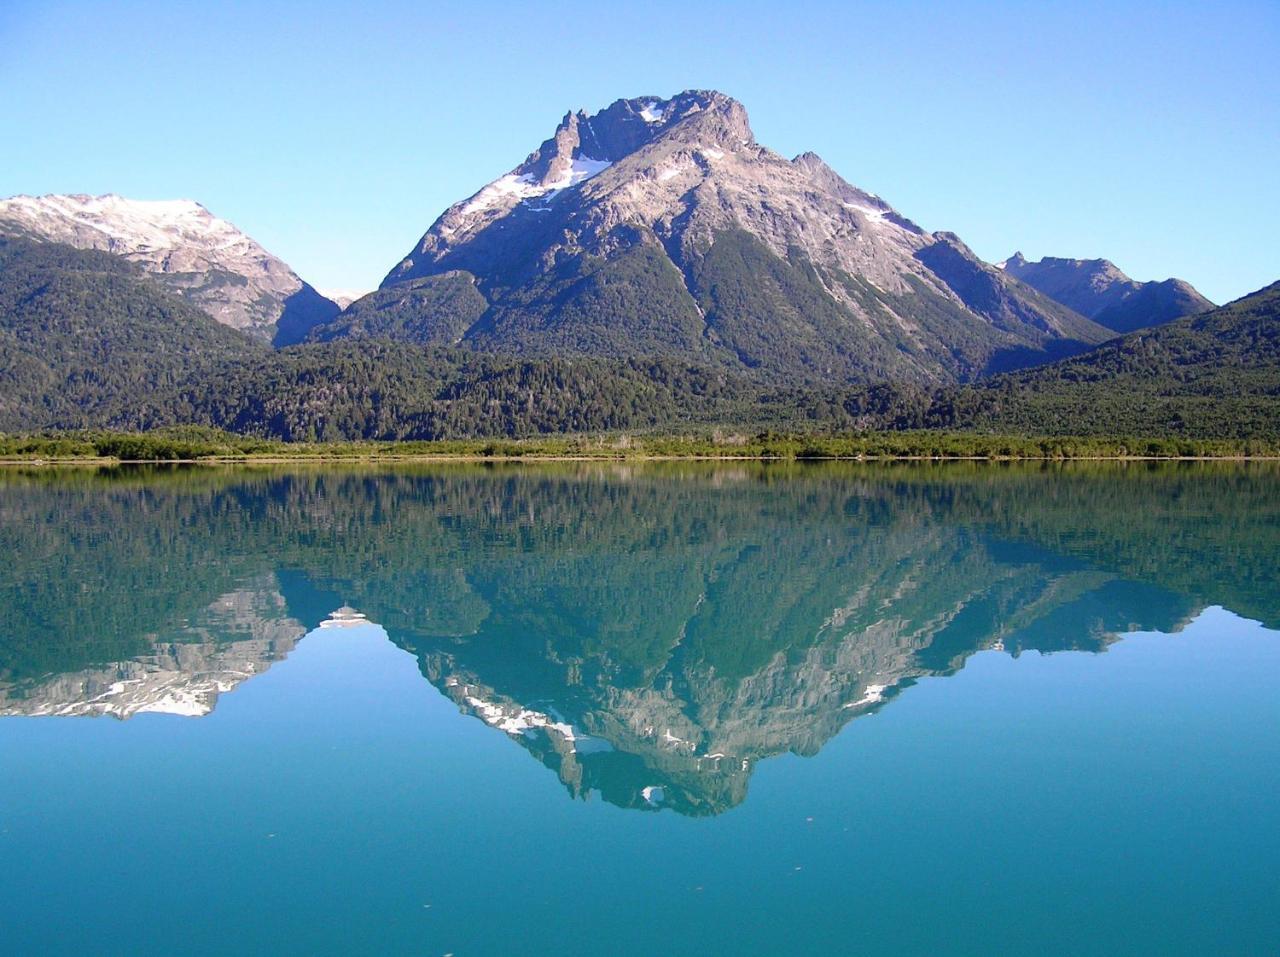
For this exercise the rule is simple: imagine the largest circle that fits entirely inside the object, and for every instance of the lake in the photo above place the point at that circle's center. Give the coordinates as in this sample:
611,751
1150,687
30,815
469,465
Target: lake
641,709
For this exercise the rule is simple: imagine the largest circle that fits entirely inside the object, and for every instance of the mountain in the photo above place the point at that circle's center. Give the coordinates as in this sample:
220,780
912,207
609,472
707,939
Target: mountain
1098,289
662,228
86,335
1212,374
206,260
342,297
89,340
649,267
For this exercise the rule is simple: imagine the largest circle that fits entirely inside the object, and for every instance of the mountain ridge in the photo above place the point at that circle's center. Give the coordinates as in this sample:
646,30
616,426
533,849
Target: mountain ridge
186,248
88,340
645,266
1098,289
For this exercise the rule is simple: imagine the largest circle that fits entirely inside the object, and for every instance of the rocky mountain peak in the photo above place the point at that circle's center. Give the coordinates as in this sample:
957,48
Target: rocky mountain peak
1100,273
813,164
681,185
625,126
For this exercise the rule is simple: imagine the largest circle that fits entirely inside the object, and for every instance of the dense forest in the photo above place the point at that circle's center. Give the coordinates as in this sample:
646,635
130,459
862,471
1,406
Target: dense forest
1216,374
86,342
84,336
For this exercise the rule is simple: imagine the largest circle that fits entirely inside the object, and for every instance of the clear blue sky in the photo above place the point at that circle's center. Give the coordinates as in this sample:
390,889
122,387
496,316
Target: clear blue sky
335,134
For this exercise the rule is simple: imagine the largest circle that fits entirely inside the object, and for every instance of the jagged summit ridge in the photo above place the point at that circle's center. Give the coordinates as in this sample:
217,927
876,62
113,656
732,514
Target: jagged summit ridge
205,259
582,147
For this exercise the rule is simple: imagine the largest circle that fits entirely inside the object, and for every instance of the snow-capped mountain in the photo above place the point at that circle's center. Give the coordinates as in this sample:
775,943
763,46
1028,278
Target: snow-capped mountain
206,259
695,142
1098,289
660,226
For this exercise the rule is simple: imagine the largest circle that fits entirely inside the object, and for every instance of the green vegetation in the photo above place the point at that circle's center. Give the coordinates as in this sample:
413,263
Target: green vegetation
1216,374
775,315
436,310
83,336
195,443
88,344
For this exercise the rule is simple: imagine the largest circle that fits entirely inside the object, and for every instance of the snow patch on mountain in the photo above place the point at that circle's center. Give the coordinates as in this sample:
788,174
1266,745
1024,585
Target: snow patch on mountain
515,720
873,216
344,297
128,225
520,187
580,170
653,112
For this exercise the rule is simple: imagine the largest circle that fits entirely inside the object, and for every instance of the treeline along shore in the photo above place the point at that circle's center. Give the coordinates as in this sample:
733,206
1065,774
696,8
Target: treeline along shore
206,444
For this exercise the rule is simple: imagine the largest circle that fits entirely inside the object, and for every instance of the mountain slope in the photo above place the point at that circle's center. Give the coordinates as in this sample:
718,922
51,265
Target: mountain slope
1098,289
88,340
82,330
660,227
204,259
1213,374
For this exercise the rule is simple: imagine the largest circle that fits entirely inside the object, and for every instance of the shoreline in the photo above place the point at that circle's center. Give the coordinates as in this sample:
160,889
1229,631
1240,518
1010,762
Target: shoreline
477,458
200,445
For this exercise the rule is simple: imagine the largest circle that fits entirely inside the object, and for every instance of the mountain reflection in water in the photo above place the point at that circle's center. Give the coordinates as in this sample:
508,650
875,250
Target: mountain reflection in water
647,633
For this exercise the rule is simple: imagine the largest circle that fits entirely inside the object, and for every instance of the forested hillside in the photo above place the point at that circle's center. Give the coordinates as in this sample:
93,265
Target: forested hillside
88,342
1216,374
84,335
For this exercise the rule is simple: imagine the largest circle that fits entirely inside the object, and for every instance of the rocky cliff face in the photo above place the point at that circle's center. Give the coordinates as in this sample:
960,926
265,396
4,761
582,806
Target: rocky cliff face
662,227
1098,289
189,250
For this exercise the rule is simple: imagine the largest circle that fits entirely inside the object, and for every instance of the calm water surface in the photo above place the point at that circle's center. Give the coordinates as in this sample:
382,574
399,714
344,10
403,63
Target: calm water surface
641,710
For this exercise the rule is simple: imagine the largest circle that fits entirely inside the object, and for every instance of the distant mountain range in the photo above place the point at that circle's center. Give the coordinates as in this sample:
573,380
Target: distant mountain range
1098,289
646,266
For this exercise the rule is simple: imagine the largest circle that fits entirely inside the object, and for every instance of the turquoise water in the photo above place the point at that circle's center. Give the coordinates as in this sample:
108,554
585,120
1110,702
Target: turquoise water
616,710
